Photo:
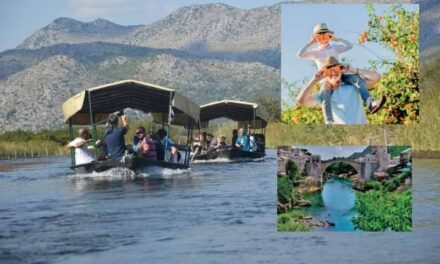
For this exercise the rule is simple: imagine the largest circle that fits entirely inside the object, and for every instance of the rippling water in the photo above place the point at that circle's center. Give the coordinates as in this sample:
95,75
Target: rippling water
213,213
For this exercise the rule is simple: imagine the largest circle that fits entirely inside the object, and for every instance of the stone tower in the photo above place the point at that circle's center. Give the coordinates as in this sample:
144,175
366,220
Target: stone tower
383,158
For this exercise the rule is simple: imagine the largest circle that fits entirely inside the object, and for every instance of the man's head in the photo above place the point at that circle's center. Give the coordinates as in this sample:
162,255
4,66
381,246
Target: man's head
209,137
84,134
332,70
113,119
162,133
140,132
222,139
234,132
241,131
322,34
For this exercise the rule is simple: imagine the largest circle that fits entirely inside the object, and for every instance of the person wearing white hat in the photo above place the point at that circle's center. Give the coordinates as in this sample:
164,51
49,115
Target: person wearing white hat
328,45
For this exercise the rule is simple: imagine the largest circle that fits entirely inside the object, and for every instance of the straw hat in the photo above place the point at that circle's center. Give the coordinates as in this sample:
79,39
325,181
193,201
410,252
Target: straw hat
330,62
321,28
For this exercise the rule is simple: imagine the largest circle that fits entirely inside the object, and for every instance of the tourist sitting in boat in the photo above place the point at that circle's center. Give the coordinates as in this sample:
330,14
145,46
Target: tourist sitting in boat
115,136
242,141
234,138
198,144
218,144
145,146
207,143
171,153
82,154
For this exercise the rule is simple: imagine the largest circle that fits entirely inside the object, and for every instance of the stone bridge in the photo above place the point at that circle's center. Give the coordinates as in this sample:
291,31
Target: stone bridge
313,166
355,164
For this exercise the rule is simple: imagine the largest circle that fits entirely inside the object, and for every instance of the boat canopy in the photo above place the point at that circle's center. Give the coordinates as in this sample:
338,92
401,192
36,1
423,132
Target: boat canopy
149,98
243,112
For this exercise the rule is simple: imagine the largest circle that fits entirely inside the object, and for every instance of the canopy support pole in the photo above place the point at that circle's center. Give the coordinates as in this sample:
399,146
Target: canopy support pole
72,150
92,124
188,142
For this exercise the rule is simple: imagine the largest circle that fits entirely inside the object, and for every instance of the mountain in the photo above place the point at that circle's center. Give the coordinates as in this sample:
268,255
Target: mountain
212,28
66,30
356,155
196,29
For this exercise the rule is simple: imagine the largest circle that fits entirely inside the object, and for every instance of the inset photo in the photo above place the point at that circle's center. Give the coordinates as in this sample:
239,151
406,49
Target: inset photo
344,188
350,64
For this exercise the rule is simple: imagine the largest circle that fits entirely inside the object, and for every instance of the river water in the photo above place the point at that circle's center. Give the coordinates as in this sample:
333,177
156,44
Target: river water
214,213
335,203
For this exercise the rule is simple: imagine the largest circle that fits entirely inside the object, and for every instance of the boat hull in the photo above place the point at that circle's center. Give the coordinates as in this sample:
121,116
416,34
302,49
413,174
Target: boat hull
134,164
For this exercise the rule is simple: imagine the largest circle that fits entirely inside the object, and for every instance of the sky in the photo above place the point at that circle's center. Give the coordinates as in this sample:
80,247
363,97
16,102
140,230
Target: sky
20,18
347,21
328,152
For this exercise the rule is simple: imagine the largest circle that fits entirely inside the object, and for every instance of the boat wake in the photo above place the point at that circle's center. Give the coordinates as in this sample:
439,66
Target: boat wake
226,160
124,174
114,174
155,172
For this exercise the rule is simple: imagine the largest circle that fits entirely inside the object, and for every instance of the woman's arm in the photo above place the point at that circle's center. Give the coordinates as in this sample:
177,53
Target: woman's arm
346,45
305,52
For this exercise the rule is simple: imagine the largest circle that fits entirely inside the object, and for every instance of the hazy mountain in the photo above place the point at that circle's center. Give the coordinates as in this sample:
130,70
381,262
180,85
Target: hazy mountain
67,30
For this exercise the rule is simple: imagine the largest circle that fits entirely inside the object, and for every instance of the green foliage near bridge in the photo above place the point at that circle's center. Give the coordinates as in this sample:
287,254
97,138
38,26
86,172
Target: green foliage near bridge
384,211
383,207
288,195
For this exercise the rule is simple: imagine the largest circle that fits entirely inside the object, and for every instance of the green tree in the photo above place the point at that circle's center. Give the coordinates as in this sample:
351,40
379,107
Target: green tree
397,29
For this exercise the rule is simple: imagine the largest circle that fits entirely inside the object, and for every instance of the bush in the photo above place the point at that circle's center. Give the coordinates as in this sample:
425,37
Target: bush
398,31
384,211
284,189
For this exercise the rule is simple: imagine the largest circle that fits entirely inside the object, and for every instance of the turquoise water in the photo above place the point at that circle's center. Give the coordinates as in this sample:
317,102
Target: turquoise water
335,203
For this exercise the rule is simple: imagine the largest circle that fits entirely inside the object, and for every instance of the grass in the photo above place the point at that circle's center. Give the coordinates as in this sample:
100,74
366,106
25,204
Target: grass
292,222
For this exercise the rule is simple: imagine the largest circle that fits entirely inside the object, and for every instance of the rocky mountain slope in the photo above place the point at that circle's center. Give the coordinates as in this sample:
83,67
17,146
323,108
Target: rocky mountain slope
70,31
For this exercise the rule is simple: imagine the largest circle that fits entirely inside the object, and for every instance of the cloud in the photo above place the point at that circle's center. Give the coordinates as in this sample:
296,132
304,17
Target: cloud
121,11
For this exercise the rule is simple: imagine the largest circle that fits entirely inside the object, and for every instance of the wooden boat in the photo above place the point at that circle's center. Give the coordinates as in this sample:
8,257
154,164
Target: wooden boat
135,164
91,107
245,113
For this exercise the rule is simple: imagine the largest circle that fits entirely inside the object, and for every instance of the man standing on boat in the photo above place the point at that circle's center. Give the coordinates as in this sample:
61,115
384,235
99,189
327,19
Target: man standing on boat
242,141
115,136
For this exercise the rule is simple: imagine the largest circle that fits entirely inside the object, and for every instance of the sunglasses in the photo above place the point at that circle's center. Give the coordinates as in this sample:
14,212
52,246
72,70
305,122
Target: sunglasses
139,133
332,71
324,37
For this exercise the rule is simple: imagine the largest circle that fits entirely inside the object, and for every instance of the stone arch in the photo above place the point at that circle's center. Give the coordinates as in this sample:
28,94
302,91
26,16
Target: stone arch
325,165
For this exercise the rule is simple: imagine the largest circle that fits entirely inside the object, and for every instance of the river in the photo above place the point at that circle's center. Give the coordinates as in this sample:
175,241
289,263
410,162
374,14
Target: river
214,213
335,203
